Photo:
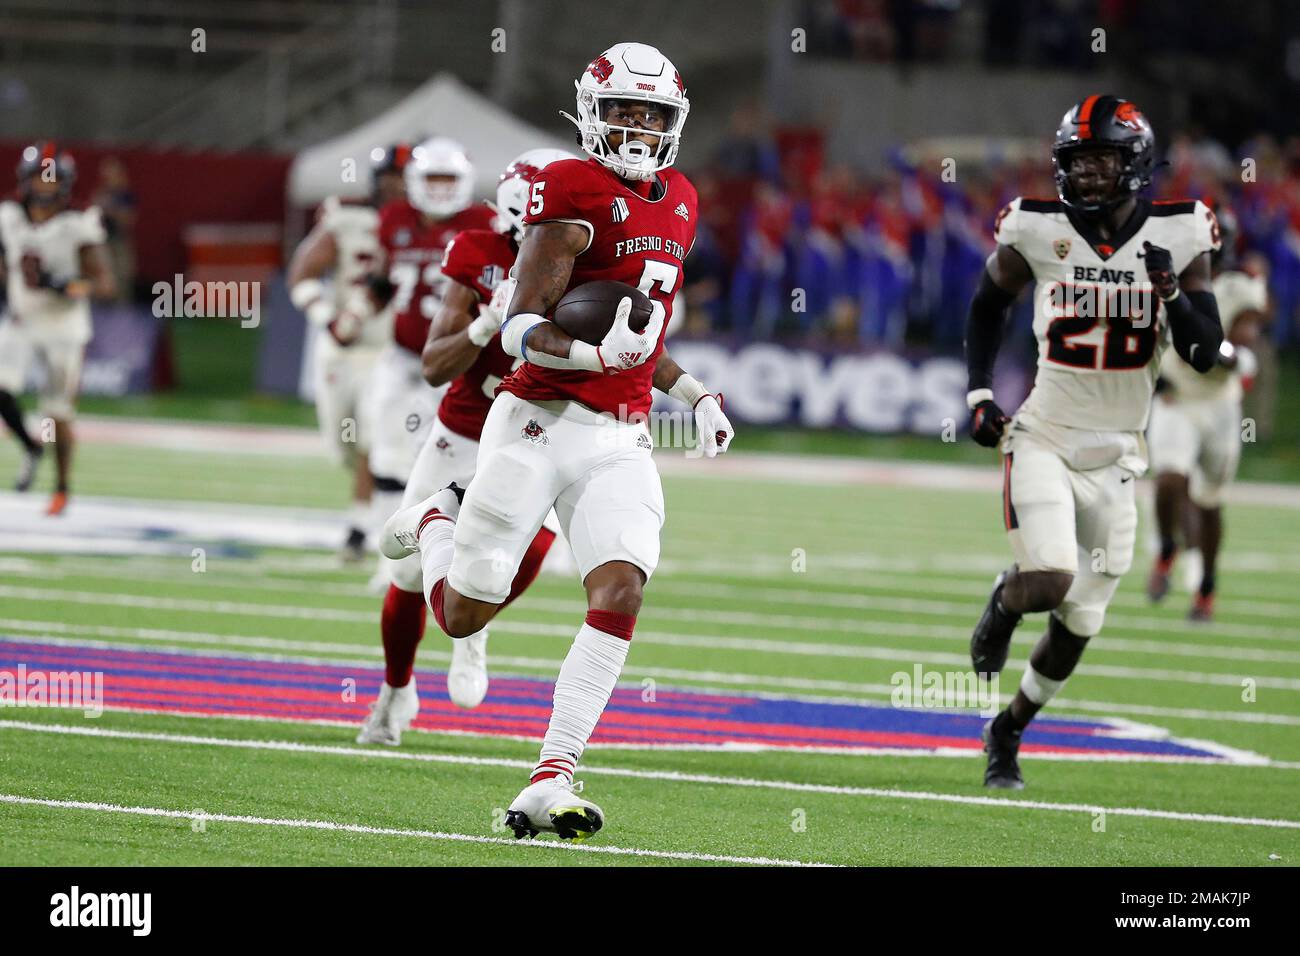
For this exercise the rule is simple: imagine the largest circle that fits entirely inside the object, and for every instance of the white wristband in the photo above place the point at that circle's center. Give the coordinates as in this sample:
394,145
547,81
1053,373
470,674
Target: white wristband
515,329
481,330
687,389
309,296
975,396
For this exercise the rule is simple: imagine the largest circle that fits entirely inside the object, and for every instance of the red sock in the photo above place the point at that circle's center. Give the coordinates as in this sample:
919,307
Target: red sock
435,602
612,623
402,627
531,564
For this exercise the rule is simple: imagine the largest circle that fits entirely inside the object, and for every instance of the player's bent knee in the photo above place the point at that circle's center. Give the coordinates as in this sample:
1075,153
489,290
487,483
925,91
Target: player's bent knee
1044,590
616,586
464,616
1082,622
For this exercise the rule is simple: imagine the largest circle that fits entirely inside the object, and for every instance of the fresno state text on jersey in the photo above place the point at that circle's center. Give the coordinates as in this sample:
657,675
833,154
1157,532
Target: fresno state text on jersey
414,245
632,239
479,259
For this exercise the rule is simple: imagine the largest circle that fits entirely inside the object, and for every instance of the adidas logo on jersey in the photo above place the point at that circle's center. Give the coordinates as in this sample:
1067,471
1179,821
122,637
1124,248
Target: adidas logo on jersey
682,211
619,208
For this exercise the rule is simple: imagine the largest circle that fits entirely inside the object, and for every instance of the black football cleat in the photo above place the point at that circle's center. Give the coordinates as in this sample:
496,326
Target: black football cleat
27,468
523,828
991,641
353,548
1003,770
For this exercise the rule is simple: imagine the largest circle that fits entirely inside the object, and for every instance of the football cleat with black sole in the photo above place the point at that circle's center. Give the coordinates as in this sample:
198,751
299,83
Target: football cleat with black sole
519,823
991,640
1003,770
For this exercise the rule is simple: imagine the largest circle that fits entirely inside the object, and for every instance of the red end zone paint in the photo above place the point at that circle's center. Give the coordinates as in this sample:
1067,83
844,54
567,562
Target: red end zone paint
198,683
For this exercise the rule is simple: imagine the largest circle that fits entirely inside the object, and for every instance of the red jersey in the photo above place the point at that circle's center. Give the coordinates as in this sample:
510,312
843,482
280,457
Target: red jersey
636,240
414,246
480,259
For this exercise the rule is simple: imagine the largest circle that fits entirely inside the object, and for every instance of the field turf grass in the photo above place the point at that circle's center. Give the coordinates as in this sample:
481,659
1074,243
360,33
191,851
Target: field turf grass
887,567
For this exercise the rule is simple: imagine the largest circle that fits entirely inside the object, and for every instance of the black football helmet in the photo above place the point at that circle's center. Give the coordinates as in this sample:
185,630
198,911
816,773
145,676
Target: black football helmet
47,161
383,160
1103,120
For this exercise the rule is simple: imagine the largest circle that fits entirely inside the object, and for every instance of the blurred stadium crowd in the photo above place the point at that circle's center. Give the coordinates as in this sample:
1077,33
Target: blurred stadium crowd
794,247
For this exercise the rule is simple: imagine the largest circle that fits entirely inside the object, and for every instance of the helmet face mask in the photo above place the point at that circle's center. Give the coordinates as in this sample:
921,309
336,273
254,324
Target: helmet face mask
1102,138
624,94
439,178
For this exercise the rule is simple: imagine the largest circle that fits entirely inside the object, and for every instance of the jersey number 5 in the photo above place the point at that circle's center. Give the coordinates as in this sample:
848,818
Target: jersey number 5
664,275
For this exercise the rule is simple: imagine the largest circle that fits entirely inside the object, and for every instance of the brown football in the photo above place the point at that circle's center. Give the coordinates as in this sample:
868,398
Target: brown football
587,312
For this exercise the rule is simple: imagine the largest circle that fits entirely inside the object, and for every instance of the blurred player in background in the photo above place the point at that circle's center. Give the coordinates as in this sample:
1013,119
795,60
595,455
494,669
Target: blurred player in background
567,429
1195,432
414,233
1101,256
352,326
464,349
55,262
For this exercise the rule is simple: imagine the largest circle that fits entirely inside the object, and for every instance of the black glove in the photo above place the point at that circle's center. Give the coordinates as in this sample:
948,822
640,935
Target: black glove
1160,270
987,422
381,290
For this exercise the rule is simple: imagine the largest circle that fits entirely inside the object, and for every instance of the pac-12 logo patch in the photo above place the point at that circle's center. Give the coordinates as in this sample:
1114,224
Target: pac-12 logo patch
535,433
1061,247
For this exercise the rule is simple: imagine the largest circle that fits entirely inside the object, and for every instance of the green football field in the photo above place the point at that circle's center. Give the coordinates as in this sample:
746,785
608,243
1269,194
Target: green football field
787,583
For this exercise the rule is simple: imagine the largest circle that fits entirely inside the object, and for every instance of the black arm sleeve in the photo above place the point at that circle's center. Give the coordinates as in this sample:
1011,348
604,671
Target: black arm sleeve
988,313
1198,333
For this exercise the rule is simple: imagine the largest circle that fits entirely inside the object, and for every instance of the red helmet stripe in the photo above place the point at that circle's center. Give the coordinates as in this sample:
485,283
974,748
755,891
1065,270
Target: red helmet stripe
1085,116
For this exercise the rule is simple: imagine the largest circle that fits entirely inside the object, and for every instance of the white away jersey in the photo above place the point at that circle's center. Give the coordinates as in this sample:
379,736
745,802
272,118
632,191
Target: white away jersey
355,228
1235,292
55,246
1101,330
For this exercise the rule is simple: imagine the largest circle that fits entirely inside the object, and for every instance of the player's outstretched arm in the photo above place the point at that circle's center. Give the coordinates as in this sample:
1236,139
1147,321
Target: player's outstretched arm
99,282
315,256
1005,274
453,343
1189,303
714,428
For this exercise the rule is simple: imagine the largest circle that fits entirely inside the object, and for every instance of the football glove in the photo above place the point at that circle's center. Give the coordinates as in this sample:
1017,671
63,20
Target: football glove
622,349
987,422
1160,270
713,426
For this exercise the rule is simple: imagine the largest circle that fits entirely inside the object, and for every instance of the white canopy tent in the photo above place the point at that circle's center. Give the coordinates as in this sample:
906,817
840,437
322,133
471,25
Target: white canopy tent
442,106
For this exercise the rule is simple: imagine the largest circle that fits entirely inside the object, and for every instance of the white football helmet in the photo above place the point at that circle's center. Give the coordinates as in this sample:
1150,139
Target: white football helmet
630,71
513,186
439,156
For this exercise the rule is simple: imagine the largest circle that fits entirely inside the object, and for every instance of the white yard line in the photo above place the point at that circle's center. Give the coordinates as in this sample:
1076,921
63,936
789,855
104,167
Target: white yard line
671,776
231,439
395,832
729,681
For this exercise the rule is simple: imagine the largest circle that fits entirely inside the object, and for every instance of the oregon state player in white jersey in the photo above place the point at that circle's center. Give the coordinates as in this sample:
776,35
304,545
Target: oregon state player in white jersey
567,429
1118,279
1195,433
351,324
55,262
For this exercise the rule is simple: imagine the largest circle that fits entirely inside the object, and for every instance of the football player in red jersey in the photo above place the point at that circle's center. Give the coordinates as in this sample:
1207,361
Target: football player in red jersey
414,233
568,427
463,348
